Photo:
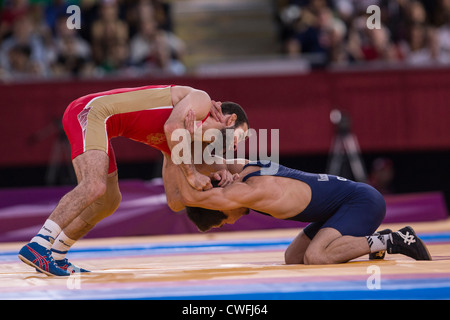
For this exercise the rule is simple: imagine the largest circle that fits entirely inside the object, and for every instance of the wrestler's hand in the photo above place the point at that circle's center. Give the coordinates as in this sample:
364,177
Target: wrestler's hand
189,122
199,181
224,176
216,111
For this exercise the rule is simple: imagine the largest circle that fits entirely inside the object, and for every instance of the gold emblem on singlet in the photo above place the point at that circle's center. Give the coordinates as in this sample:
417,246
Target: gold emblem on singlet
156,138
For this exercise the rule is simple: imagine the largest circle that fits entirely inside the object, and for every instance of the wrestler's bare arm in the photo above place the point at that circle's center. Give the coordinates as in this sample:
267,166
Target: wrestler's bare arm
172,174
169,175
235,166
234,196
187,99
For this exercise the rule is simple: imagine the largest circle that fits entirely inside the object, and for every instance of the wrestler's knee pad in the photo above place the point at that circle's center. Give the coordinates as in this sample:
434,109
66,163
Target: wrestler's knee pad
105,205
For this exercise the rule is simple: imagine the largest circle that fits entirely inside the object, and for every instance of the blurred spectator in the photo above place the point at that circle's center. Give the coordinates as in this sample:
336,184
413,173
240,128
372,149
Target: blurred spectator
53,10
154,48
420,46
73,57
108,33
102,45
118,60
136,36
11,11
440,16
89,14
317,31
41,29
443,31
413,31
424,42
23,39
20,65
134,10
369,44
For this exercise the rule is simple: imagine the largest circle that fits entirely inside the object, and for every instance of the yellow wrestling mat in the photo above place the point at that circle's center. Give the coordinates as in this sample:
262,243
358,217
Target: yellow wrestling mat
229,265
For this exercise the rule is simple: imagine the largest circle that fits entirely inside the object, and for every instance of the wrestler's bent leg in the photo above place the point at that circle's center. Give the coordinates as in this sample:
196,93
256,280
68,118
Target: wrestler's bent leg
329,246
295,252
91,169
101,208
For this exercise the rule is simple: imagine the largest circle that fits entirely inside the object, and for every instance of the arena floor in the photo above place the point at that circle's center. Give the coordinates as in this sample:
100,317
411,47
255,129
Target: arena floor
229,265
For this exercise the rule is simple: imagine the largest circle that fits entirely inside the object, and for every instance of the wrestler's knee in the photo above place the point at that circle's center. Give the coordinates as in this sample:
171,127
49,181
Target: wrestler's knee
292,258
295,252
113,195
104,206
99,210
93,188
114,201
109,203
91,169
314,257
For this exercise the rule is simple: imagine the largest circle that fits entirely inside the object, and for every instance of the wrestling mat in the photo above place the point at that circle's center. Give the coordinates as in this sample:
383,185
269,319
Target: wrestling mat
239,265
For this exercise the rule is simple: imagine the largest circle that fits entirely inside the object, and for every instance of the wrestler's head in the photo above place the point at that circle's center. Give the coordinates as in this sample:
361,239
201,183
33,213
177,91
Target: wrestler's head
232,130
205,219
238,118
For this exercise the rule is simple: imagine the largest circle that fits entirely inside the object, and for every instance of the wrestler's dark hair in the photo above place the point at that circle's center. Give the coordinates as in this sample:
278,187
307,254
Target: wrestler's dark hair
230,108
205,219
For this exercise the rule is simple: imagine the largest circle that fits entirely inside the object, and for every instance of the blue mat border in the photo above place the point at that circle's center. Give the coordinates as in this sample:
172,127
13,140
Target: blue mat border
196,247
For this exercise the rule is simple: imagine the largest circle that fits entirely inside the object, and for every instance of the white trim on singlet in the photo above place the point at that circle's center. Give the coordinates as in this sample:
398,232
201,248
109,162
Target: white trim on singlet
83,120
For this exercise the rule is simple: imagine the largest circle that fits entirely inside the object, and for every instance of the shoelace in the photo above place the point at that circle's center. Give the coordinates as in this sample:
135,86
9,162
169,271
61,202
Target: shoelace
64,261
69,267
407,238
49,256
52,260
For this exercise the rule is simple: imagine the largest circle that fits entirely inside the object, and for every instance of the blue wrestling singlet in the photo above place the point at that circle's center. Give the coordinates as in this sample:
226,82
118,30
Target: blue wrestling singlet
352,208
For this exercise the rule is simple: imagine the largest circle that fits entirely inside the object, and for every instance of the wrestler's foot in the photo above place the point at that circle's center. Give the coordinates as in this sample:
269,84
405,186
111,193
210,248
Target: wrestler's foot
405,241
41,258
380,254
67,266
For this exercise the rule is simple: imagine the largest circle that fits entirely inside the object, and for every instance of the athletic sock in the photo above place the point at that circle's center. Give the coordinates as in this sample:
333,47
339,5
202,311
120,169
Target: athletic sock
61,246
377,242
46,236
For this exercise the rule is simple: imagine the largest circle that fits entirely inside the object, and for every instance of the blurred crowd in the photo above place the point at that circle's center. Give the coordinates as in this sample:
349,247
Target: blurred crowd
136,38
116,37
414,32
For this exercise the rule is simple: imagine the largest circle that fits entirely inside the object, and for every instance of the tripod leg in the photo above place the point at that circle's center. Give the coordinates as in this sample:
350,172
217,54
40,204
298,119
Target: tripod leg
354,155
337,157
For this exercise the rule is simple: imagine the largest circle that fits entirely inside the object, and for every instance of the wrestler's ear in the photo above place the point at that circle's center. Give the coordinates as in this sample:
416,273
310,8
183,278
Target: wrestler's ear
231,120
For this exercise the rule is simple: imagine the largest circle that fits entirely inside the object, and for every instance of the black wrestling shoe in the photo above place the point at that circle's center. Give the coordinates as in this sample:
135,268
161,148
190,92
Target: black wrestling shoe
405,241
380,254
